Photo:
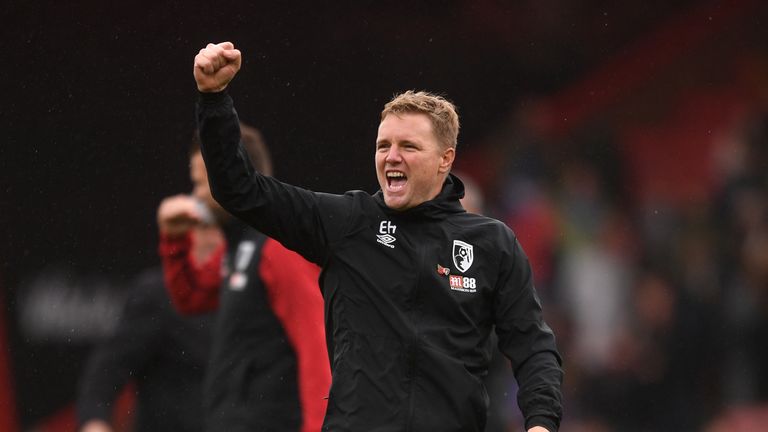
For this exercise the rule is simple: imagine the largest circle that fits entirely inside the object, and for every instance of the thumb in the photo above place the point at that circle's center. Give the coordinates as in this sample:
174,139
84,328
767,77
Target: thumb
226,45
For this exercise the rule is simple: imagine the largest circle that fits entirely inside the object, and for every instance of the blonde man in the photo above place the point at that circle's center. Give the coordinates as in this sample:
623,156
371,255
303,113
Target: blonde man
412,283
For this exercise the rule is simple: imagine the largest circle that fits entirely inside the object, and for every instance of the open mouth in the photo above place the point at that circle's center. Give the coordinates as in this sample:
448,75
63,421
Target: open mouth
396,180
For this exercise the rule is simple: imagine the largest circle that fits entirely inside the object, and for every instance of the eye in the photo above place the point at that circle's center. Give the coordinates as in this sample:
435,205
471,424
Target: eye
382,146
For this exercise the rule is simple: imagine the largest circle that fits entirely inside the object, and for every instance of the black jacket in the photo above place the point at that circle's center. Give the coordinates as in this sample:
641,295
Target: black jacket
164,353
411,297
252,378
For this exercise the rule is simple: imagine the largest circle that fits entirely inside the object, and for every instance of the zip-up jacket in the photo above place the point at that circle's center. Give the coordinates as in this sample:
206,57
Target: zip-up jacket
411,297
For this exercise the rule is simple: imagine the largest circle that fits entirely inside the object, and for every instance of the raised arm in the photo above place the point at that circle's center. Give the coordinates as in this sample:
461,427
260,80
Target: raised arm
303,221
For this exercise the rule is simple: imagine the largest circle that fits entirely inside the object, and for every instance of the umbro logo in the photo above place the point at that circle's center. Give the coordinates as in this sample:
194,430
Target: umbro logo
386,240
385,237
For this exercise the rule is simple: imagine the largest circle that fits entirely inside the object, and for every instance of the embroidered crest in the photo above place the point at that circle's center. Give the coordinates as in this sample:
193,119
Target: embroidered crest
463,255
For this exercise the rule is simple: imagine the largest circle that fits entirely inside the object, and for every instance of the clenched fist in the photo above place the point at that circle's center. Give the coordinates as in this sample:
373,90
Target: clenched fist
215,66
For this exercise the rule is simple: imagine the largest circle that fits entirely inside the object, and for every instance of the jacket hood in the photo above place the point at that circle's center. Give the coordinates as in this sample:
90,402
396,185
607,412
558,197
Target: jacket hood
445,203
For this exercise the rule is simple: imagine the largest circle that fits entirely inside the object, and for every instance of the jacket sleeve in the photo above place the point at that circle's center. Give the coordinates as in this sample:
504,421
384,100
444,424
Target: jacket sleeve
528,342
294,295
122,356
193,287
303,221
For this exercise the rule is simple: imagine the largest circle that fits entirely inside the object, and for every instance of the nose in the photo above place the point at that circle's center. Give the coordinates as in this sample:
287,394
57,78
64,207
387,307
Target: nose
393,155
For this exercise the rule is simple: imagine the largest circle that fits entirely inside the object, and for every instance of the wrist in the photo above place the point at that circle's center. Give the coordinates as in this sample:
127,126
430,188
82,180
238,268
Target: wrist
541,423
174,246
203,89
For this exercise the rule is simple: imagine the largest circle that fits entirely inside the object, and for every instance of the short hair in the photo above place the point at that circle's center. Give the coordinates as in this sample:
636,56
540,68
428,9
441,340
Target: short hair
441,112
254,145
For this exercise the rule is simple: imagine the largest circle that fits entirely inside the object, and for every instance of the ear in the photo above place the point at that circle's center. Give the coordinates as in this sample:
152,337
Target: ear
446,160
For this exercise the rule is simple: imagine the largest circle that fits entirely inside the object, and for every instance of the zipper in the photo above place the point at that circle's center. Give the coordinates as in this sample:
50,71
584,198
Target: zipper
413,349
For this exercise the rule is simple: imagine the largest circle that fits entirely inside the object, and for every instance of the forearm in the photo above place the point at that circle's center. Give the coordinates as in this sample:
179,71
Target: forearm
229,170
107,371
529,343
530,346
234,183
92,409
294,216
539,394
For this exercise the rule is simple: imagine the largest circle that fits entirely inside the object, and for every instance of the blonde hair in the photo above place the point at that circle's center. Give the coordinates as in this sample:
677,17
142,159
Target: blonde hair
441,112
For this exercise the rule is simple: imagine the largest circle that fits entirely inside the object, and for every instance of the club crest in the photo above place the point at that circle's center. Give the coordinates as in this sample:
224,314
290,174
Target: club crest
463,255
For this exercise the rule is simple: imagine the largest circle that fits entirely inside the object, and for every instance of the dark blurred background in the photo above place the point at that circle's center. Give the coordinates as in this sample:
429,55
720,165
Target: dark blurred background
624,142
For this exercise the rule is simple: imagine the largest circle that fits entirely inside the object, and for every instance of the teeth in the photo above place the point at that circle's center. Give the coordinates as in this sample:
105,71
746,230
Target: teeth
395,174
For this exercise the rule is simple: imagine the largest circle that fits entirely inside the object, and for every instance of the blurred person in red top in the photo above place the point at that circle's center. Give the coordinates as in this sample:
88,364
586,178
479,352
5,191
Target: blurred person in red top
269,367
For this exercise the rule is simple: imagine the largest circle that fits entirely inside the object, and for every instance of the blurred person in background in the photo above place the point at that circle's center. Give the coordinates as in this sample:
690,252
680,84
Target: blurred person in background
409,333
746,298
742,256
473,200
269,368
594,268
163,353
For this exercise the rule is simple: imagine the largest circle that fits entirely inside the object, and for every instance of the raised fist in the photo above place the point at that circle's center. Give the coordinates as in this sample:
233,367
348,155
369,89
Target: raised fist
215,66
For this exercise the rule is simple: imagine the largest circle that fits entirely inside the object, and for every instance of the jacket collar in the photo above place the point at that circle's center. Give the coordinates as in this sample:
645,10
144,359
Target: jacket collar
445,203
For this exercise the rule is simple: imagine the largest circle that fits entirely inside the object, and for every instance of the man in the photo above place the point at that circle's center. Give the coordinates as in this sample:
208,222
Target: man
412,283
269,368
164,354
